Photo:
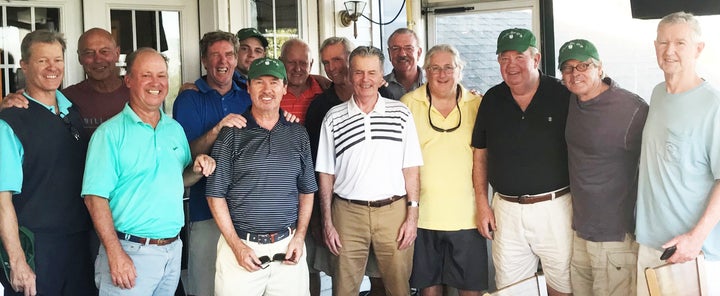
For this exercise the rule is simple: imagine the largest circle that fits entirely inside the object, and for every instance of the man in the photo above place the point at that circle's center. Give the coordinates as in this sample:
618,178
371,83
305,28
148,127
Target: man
404,53
102,94
603,132
302,87
449,250
261,194
134,188
217,103
519,141
42,156
253,45
679,191
368,175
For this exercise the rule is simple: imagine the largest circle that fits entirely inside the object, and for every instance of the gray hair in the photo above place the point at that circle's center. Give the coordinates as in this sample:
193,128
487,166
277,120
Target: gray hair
347,45
402,31
211,37
130,60
368,51
291,42
44,36
445,48
682,17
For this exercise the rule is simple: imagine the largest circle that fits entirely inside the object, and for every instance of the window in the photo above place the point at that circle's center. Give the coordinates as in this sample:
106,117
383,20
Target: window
626,45
15,23
278,20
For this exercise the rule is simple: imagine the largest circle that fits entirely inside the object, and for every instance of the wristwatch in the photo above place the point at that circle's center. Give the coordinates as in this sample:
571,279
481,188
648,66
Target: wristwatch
413,203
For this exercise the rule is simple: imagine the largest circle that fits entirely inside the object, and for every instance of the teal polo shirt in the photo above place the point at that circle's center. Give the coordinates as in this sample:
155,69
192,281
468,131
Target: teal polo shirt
139,170
12,152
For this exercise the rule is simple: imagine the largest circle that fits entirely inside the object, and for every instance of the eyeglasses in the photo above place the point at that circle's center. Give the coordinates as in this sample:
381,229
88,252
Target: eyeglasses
447,69
73,130
457,99
406,48
581,67
265,260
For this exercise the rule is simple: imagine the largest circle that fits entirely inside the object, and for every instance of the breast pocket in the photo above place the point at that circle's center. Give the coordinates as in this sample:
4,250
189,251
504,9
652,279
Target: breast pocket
676,145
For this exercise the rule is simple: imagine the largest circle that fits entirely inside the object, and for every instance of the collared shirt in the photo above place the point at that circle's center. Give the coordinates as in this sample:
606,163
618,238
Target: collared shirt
240,79
12,152
198,112
261,173
298,105
526,151
446,186
397,89
367,152
603,138
139,170
679,165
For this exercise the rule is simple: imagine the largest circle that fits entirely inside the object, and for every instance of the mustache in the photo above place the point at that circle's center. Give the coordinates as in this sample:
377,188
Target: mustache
403,59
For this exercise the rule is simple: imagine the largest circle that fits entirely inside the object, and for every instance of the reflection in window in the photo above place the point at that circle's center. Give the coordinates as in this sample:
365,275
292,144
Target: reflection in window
133,29
278,21
15,23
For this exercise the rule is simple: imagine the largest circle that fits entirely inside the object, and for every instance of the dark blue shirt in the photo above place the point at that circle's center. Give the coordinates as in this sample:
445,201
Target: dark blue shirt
198,112
261,174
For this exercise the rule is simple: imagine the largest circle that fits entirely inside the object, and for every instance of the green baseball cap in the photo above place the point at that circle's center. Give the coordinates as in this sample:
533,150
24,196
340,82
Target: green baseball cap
267,67
578,49
252,32
516,39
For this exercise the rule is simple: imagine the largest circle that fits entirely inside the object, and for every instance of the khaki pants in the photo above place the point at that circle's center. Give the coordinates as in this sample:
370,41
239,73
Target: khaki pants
358,227
604,268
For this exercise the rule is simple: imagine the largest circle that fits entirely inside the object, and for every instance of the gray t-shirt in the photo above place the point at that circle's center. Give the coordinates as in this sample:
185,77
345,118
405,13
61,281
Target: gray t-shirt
603,137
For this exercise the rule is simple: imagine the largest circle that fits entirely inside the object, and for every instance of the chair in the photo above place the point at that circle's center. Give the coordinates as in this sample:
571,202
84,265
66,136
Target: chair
532,286
678,279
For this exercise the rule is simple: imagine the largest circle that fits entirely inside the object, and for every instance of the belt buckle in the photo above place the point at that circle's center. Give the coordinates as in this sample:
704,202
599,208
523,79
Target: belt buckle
523,198
273,237
160,241
369,203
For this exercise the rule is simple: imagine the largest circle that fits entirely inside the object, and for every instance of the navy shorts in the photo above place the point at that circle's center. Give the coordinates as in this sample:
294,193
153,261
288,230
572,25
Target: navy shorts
455,258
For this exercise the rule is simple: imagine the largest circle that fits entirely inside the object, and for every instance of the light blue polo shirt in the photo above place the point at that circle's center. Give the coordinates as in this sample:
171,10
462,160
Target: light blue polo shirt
139,170
12,152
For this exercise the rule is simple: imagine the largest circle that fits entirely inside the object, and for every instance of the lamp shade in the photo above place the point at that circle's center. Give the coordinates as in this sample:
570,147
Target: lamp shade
355,8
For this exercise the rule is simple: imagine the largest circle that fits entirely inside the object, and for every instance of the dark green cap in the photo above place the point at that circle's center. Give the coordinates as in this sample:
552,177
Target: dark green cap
267,67
578,49
252,32
516,39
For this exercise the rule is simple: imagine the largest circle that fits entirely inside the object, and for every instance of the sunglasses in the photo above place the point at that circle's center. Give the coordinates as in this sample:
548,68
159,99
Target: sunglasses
457,99
73,130
265,260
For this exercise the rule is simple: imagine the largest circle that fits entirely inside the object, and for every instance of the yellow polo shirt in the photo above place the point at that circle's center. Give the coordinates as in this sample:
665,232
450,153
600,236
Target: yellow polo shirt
447,198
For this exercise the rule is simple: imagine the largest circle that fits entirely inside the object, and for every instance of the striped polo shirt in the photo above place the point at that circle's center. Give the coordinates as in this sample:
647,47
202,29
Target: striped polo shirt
367,152
260,173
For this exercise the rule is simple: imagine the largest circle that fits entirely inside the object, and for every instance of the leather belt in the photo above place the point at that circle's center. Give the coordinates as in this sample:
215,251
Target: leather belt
265,238
535,198
373,203
146,241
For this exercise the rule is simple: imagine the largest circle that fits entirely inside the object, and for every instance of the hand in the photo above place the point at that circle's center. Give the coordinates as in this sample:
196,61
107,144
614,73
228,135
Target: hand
485,221
688,247
290,117
408,233
16,100
246,257
231,120
294,251
22,279
204,164
188,86
122,270
332,239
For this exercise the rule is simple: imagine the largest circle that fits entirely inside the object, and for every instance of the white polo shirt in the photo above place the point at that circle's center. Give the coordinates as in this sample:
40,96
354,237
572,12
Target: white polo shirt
367,152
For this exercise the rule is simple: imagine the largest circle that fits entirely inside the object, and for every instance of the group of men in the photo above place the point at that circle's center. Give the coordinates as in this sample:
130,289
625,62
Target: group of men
587,179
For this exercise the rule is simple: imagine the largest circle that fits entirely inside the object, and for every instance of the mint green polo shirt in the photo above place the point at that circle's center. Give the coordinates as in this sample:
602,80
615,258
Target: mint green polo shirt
12,152
139,170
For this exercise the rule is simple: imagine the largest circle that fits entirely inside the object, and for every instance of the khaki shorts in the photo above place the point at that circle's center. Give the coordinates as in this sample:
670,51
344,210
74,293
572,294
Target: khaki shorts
529,233
604,268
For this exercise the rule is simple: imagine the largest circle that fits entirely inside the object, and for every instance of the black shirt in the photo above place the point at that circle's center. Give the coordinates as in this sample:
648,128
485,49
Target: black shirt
526,151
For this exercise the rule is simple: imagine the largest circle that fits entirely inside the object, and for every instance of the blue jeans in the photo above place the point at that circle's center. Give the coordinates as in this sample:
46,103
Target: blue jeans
157,268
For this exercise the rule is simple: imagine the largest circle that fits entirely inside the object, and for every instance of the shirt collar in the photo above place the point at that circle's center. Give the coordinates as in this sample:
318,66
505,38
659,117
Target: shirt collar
127,111
354,109
251,123
204,87
420,80
63,103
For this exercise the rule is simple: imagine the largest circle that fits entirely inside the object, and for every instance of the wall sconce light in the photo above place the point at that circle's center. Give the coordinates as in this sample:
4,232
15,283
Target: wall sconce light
353,10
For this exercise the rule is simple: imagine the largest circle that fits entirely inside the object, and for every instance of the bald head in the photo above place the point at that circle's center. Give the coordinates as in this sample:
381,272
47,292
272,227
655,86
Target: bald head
98,53
295,54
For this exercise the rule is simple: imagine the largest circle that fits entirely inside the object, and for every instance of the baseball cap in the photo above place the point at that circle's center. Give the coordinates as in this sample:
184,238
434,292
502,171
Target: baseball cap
252,32
267,66
578,49
517,39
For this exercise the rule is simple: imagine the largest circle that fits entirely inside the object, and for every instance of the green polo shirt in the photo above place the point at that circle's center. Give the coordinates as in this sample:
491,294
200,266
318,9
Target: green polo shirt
139,170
